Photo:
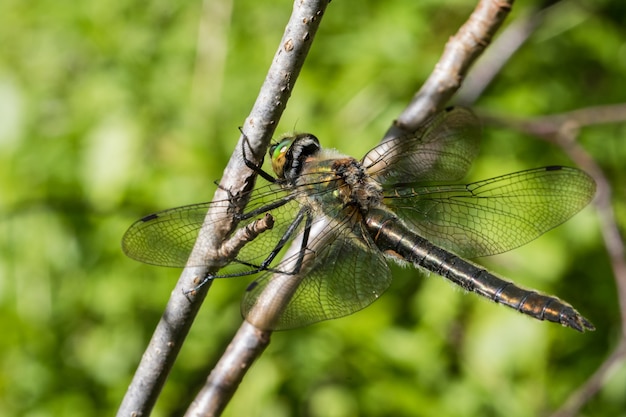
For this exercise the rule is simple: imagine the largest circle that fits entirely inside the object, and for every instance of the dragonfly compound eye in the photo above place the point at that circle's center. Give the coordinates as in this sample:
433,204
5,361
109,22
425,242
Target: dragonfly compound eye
278,155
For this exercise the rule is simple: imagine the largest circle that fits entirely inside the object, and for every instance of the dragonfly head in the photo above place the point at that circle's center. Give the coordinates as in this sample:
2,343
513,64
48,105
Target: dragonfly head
289,154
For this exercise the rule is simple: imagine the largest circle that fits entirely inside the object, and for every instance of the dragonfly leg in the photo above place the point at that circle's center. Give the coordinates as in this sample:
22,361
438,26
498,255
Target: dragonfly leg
250,232
270,206
233,245
249,163
285,238
281,244
264,266
305,241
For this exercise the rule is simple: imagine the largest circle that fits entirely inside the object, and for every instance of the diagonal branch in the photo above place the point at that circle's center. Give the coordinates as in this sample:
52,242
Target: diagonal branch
461,51
497,56
508,43
259,127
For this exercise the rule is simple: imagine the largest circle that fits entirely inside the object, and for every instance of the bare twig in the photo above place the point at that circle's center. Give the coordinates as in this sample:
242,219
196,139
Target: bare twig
247,345
512,38
495,57
586,391
246,234
563,129
460,53
550,127
259,127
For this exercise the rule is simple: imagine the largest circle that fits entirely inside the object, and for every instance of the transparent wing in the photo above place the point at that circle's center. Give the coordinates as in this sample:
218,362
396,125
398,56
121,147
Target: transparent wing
343,272
495,215
166,238
440,150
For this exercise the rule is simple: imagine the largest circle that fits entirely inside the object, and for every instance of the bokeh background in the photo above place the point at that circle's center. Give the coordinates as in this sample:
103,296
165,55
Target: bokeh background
112,110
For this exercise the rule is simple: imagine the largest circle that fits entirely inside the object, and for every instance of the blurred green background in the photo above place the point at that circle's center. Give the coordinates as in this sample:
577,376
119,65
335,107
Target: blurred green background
111,110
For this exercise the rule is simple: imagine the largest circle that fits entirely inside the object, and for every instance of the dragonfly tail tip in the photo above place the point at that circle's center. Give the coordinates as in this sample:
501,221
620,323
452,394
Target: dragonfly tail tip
579,323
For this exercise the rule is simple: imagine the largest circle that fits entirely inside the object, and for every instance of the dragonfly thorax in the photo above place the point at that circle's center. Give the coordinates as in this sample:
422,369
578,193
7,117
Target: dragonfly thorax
356,188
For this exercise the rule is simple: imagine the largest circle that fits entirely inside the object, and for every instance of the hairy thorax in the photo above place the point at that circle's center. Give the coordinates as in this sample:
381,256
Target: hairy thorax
343,180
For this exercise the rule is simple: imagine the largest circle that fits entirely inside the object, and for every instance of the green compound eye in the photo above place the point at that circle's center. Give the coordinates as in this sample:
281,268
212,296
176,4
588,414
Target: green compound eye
280,148
278,155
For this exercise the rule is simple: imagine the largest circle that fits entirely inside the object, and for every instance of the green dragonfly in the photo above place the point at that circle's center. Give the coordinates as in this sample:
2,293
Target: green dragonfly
337,221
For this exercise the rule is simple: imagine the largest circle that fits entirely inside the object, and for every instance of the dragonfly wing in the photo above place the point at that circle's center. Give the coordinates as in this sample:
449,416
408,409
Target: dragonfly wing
166,238
495,215
440,150
343,272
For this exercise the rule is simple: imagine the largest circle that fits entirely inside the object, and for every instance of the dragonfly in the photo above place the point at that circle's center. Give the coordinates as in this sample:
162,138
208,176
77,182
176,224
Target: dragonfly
338,222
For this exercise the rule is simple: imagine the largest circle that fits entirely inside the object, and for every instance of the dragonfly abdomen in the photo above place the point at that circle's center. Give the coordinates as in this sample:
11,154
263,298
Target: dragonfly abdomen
392,235
532,303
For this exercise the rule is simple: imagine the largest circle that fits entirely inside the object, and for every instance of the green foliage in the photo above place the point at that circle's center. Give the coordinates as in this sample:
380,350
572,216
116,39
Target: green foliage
111,110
